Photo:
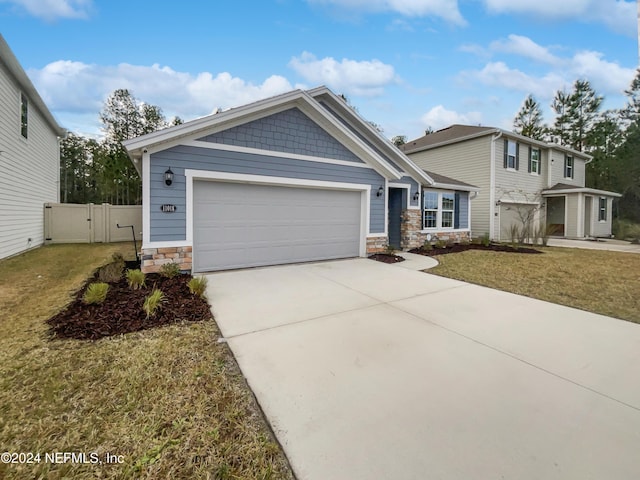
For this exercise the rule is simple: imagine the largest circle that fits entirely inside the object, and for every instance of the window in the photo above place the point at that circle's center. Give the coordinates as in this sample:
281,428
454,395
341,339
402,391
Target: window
439,210
510,154
448,206
602,212
430,210
568,167
24,115
534,160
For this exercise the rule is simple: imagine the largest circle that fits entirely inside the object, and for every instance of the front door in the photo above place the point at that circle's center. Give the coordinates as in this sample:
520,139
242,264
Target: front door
588,209
395,216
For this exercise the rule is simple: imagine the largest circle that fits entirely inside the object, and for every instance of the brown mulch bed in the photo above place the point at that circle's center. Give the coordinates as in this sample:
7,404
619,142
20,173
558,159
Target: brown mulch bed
122,311
459,247
386,258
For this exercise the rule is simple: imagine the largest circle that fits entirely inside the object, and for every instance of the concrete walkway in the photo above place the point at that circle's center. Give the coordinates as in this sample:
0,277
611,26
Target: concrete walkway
609,244
370,371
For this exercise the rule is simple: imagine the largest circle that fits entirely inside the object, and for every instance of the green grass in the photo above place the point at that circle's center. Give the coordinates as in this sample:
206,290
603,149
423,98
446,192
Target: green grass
171,401
597,281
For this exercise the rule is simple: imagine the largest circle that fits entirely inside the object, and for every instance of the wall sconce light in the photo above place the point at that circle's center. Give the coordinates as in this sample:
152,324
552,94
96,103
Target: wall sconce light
380,192
168,177
416,196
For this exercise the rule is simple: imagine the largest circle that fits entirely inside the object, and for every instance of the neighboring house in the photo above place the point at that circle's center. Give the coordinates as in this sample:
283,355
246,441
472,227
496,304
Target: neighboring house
293,178
524,183
29,158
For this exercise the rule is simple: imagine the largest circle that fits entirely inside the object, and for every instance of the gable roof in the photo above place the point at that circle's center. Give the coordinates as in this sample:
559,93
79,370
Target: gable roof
17,72
460,133
566,188
163,139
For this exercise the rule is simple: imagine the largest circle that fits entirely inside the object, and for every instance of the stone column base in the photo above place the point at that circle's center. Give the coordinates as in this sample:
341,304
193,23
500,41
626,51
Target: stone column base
154,258
376,245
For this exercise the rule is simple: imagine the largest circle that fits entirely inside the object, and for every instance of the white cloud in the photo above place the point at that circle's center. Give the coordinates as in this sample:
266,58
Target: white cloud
54,9
367,77
525,47
75,89
439,117
618,15
445,9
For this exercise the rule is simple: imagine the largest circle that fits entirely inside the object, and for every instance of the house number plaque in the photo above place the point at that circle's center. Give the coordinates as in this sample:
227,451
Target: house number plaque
167,208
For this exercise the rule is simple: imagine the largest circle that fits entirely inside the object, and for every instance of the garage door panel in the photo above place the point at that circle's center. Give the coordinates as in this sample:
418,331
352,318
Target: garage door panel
238,225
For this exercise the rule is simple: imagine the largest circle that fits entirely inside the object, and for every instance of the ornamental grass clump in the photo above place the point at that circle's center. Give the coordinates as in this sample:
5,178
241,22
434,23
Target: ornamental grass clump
136,279
96,293
152,302
198,286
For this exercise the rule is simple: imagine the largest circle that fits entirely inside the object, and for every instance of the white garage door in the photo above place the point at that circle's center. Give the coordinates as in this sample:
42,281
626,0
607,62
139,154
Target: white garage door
240,225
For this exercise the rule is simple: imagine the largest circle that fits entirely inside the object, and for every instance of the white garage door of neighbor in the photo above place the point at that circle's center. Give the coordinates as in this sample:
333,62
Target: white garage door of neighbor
243,225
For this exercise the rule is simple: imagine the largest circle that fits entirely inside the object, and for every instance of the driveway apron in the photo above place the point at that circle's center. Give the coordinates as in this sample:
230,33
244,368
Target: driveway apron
370,371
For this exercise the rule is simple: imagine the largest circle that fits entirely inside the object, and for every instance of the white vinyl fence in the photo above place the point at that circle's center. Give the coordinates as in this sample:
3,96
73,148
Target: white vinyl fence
73,223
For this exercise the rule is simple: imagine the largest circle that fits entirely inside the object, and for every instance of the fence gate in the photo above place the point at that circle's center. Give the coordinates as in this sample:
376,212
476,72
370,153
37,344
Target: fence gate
73,223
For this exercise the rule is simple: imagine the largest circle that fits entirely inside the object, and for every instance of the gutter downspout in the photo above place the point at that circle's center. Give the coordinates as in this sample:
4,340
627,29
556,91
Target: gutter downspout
492,185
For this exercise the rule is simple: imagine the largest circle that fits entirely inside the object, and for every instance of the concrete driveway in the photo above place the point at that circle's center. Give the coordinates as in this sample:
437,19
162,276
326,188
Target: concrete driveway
369,371
602,244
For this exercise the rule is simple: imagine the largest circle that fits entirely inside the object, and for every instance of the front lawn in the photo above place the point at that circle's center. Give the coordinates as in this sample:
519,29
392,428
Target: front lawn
597,281
167,402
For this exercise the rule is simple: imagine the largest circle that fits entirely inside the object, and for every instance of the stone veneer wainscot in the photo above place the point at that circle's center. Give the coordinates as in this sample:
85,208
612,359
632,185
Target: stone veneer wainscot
154,258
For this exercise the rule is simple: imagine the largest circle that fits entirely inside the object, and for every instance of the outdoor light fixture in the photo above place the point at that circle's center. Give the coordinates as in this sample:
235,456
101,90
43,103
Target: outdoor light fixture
416,196
380,192
168,177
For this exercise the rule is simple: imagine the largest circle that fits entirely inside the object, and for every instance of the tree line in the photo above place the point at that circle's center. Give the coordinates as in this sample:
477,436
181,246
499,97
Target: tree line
99,171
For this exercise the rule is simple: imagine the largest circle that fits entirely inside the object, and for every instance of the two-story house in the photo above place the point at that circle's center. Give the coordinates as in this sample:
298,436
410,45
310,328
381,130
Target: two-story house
525,184
29,158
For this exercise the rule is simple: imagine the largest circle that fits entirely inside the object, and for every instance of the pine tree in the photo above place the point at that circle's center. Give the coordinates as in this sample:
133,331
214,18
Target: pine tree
528,121
584,107
560,105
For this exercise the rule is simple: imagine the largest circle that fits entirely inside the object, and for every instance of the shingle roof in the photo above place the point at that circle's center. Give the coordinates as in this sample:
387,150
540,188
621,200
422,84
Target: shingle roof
445,135
447,180
564,186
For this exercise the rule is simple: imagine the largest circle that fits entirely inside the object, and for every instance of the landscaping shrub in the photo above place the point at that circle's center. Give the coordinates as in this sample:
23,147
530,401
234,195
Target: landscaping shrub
198,286
136,279
626,230
485,239
152,302
170,270
96,293
112,272
390,249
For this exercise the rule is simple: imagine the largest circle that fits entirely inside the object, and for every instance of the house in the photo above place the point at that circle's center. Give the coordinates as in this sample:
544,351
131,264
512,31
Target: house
525,185
29,158
293,178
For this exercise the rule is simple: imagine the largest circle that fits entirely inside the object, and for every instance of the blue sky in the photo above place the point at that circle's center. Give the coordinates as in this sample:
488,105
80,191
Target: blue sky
405,64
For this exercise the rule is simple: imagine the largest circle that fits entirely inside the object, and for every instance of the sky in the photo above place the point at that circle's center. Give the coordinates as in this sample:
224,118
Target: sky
406,65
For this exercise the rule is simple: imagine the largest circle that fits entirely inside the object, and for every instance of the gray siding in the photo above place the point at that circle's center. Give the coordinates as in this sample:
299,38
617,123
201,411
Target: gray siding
557,170
172,226
601,229
464,209
518,185
573,212
469,162
30,170
353,130
290,131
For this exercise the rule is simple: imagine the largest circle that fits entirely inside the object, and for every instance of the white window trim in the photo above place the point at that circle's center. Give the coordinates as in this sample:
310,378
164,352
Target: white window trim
537,162
606,209
569,168
439,226
515,156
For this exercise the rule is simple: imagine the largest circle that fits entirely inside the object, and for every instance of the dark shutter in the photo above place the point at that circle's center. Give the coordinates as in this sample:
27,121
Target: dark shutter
573,165
530,152
566,159
456,212
517,156
540,162
506,152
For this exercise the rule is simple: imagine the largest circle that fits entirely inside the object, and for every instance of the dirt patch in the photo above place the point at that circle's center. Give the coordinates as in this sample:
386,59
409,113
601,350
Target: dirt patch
386,258
122,310
458,247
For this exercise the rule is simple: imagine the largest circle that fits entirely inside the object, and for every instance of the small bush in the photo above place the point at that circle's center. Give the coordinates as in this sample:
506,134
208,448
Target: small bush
390,249
427,245
152,302
626,230
514,234
198,286
485,240
441,244
112,272
136,279
96,293
170,270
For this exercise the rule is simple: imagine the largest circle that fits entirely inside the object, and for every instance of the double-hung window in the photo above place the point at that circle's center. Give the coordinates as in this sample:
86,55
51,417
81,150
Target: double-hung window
431,210
602,211
439,210
510,155
24,115
568,167
534,160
